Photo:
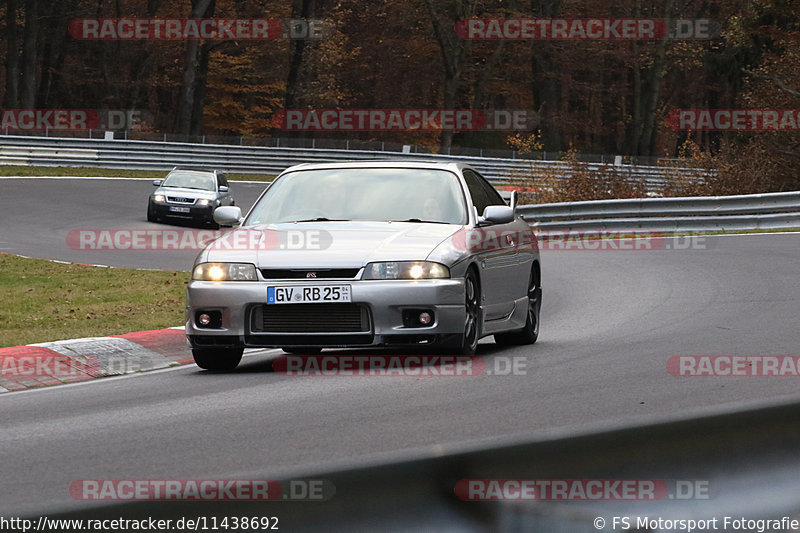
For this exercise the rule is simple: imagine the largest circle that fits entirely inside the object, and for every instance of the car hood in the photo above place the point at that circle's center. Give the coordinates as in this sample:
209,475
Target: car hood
187,193
329,244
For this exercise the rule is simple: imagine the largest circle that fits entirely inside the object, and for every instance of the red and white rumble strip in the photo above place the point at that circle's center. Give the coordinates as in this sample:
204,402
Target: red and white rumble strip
53,363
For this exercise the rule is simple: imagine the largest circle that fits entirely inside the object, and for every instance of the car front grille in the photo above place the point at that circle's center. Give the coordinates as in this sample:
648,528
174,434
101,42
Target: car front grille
180,200
310,318
337,273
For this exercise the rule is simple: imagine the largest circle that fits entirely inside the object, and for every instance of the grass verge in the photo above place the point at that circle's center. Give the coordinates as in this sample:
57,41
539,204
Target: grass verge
46,301
20,170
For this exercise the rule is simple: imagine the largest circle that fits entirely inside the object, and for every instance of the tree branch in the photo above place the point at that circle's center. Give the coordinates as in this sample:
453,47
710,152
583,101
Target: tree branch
774,79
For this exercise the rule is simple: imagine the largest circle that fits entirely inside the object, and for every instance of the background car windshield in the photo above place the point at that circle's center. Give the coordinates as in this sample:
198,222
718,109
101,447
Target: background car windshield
190,180
379,194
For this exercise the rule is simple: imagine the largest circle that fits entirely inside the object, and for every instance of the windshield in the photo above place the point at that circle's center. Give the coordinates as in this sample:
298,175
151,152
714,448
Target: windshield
190,180
380,194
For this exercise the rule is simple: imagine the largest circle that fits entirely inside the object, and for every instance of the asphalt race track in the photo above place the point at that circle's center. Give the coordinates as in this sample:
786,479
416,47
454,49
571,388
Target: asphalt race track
611,320
38,214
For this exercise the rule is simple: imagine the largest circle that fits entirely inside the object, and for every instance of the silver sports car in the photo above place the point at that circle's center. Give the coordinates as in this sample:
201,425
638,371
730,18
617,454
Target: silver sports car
366,254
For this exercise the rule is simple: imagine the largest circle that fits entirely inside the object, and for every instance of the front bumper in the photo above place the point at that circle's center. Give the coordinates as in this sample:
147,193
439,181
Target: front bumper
385,300
203,213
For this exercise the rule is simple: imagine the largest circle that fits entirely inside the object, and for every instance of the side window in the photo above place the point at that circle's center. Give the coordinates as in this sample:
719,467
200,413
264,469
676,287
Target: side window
491,193
479,197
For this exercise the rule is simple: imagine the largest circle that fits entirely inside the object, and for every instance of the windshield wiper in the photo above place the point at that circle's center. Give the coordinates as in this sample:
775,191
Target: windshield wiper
322,219
420,221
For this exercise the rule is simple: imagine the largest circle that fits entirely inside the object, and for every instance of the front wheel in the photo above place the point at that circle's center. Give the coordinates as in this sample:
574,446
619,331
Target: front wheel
151,215
530,333
219,359
467,342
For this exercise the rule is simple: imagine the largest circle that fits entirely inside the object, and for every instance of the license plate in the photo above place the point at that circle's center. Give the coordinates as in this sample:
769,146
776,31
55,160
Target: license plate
303,294
174,209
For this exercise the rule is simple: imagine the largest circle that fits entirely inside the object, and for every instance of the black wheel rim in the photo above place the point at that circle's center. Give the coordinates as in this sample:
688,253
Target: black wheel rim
534,303
472,307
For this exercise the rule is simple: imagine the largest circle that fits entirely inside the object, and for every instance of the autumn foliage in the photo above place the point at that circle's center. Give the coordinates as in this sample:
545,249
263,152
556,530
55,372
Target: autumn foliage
592,97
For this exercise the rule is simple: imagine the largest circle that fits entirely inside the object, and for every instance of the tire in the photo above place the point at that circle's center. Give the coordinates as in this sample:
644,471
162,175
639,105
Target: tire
218,359
530,333
467,342
302,350
151,216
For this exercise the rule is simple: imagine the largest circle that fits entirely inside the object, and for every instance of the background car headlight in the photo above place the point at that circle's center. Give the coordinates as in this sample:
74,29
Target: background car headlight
406,270
158,197
224,272
203,201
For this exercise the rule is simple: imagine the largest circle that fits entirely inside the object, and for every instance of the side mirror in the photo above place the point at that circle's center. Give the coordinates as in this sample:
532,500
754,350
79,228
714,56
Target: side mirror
514,200
228,215
223,188
498,214
157,183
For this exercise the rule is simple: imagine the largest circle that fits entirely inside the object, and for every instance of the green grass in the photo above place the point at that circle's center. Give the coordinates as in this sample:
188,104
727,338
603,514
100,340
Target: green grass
45,301
14,170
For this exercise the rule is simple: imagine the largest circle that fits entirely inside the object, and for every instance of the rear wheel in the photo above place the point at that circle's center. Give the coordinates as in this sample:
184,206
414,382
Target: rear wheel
220,359
530,333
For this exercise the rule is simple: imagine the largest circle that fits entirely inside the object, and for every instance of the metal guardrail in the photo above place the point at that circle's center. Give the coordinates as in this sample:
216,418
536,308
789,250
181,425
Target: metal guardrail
745,460
711,213
149,155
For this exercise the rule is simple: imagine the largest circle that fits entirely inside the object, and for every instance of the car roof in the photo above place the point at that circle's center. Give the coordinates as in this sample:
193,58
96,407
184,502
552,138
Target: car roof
385,163
201,170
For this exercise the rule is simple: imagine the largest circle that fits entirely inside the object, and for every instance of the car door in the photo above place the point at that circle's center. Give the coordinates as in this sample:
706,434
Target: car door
518,235
495,253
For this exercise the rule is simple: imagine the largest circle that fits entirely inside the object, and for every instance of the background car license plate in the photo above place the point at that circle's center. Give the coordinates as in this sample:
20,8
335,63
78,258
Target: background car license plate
301,294
179,209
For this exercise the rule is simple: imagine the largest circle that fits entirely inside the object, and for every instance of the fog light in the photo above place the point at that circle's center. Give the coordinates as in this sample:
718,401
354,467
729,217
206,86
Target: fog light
204,319
425,318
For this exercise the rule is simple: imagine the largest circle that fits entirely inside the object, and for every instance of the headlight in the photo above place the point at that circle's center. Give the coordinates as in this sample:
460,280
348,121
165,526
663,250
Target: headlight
406,270
203,201
158,197
224,272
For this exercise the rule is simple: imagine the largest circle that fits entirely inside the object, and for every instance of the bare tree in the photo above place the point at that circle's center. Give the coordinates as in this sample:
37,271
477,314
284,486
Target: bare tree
11,98
29,54
194,74
454,51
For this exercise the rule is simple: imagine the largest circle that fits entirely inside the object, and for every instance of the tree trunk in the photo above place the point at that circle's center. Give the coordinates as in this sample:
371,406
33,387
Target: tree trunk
191,71
454,53
29,54
650,100
11,99
546,87
307,9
